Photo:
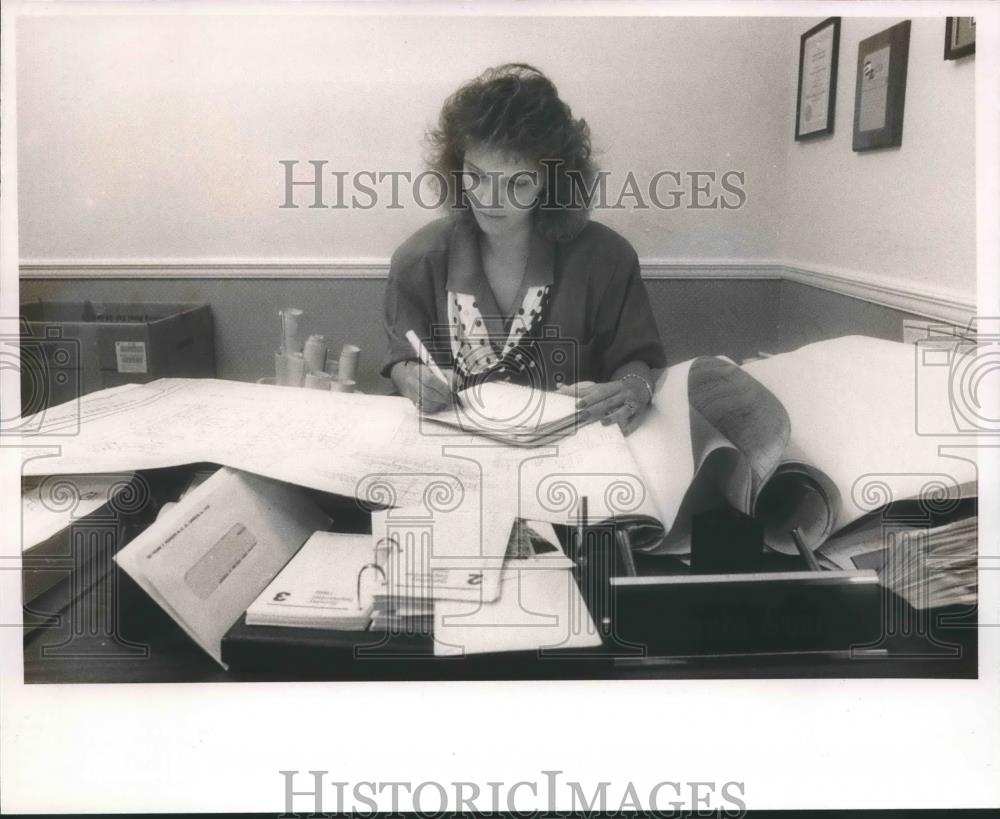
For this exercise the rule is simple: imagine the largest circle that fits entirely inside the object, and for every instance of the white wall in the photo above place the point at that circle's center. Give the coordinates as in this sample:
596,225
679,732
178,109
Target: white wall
153,138
159,137
907,213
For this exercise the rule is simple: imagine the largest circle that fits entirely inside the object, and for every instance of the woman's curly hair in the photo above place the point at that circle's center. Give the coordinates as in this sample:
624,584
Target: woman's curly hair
515,108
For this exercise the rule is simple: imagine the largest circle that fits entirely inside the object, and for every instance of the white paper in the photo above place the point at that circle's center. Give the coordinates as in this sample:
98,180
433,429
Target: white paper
334,442
512,413
455,553
539,608
853,407
595,464
319,587
662,445
372,447
209,557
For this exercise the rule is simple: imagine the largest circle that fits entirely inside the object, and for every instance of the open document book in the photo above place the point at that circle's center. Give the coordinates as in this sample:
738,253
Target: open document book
813,439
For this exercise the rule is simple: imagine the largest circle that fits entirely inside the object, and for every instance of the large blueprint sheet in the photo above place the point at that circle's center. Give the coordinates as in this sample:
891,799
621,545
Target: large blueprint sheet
371,447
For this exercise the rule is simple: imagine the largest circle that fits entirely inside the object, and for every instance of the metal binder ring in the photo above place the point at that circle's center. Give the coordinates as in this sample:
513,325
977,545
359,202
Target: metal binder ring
361,574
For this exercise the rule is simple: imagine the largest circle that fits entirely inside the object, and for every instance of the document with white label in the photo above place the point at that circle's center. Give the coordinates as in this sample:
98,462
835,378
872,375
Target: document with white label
330,583
538,608
207,559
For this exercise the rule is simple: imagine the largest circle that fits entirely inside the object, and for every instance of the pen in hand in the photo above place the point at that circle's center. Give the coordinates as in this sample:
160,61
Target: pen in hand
428,361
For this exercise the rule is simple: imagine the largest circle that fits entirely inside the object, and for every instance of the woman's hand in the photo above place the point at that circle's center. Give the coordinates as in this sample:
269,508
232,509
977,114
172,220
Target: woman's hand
421,386
623,401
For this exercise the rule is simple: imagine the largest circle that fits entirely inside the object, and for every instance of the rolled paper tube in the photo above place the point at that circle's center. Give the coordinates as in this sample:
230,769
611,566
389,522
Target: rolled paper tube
291,340
348,367
280,368
342,386
318,381
296,369
315,354
267,379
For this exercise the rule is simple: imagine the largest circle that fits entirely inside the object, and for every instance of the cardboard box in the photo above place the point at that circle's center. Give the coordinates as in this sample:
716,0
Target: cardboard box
69,349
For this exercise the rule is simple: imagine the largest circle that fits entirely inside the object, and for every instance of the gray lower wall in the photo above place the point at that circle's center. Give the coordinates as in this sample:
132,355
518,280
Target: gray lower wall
727,316
807,314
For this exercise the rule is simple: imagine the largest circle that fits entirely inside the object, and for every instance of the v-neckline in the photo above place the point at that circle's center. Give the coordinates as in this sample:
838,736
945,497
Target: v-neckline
522,285
467,274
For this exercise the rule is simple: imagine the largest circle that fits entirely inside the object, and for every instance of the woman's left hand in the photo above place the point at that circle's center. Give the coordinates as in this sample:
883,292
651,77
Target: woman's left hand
623,402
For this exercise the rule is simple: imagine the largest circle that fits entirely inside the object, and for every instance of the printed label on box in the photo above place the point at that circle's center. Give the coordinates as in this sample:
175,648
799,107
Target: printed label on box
131,356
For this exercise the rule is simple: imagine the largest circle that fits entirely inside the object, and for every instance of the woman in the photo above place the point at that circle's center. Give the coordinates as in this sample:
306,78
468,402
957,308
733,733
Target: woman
517,284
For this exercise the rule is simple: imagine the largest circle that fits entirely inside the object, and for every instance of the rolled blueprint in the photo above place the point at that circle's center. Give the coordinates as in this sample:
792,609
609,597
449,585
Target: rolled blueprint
280,369
291,338
315,354
296,369
348,367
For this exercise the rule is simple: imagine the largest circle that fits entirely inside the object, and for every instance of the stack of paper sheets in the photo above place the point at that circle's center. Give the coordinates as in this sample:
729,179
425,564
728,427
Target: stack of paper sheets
403,616
512,413
326,585
929,567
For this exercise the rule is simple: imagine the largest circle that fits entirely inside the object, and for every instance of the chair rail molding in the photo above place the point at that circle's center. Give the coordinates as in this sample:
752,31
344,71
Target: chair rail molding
948,305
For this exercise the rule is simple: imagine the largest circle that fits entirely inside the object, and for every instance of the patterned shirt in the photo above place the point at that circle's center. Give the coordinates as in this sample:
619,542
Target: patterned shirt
582,310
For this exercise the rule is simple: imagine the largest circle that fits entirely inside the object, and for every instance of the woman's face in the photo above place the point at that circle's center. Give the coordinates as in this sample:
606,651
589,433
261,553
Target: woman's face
502,189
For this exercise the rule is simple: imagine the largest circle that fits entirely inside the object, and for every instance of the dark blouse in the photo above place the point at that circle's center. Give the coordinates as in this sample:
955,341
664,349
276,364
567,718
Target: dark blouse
589,310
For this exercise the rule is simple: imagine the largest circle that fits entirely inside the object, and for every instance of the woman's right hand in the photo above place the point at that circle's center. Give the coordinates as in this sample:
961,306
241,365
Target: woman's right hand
421,386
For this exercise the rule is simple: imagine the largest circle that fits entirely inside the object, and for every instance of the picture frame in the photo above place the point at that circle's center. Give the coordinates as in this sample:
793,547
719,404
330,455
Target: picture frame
959,37
816,100
880,88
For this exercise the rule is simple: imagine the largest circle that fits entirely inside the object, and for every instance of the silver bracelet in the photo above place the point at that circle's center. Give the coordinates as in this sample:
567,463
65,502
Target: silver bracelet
645,383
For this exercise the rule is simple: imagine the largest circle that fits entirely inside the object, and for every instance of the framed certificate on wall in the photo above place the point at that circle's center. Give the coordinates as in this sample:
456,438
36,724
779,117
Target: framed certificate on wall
819,49
880,90
959,37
